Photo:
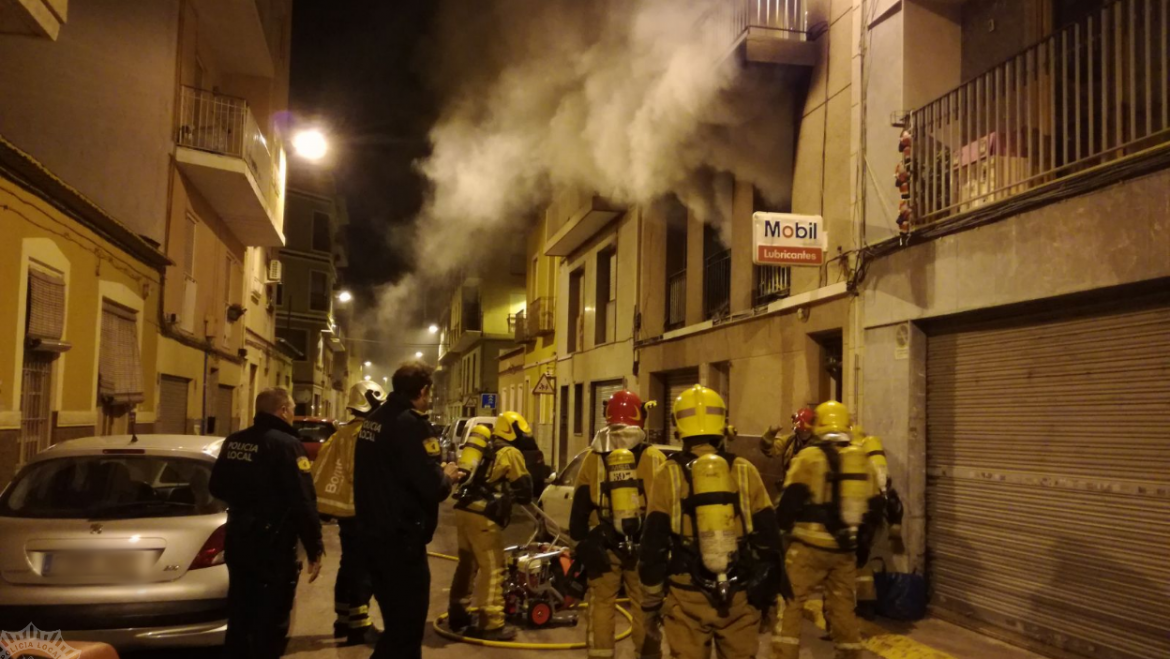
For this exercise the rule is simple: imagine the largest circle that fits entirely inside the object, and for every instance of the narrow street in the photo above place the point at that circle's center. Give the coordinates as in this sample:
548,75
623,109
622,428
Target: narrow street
313,617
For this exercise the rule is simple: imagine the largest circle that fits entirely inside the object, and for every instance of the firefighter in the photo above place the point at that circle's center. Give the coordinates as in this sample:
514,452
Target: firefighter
262,473
711,545
496,479
891,506
609,509
829,493
789,445
333,479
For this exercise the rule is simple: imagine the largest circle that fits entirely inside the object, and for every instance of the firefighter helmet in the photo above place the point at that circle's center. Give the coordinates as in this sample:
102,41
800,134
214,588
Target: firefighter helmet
832,417
365,397
509,426
700,412
804,419
625,407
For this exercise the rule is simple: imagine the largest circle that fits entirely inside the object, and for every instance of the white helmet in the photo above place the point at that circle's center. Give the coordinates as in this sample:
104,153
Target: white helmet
365,397
617,436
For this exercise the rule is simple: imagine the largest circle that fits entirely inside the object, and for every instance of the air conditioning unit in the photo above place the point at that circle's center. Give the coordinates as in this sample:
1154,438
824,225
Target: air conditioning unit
275,271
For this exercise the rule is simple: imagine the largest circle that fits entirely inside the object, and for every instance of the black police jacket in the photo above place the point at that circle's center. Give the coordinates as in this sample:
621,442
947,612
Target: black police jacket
264,476
398,481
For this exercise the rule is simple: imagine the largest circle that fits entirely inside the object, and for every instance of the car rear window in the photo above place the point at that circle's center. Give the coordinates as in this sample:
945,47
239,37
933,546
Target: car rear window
313,431
112,487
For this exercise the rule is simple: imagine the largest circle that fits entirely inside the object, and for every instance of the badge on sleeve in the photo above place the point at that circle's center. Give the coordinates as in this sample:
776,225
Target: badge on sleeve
432,447
304,464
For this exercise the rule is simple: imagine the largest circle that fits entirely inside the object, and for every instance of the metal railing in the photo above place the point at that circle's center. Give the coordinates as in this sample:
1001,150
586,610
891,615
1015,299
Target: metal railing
518,327
729,20
717,284
676,300
225,125
1093,92
542,316
772,283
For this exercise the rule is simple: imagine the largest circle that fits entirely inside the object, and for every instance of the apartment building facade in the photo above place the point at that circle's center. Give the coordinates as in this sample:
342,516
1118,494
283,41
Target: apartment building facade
170,135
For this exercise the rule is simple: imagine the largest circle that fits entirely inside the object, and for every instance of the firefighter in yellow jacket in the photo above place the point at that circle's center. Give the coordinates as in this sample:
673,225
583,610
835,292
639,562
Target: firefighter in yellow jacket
829,493
609,509
333,480
772,445
496,478
711,545
891,507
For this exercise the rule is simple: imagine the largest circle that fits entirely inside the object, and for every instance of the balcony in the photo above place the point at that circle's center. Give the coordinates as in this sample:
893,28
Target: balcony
717,285
761,31
676,300
574,217
224,154
34,18
1091,94
542,319
468,330
518,327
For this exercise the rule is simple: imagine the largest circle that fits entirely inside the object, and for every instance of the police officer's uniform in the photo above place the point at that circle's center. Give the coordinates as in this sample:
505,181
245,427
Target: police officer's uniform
398,485
264,476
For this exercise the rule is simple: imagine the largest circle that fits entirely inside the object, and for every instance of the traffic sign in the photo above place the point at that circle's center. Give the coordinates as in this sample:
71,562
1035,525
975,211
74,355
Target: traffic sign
488,401
545,386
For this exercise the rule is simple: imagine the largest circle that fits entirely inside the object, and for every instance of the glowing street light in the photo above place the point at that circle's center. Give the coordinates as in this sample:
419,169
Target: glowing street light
368,364
367,378
418,355
433,329
310,144
344,296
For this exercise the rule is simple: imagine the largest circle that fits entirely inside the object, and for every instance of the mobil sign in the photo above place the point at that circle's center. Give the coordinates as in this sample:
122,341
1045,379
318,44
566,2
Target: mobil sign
787,239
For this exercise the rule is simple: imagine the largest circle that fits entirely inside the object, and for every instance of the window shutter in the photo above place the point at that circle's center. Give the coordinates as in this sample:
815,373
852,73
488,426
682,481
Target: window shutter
46,306
119,364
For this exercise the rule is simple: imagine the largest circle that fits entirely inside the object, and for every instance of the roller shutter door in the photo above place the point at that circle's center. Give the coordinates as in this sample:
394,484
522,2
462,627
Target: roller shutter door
601,393
172,406
1048,480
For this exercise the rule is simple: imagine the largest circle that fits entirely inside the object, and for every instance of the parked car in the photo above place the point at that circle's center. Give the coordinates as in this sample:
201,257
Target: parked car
557,499
313,432
117,540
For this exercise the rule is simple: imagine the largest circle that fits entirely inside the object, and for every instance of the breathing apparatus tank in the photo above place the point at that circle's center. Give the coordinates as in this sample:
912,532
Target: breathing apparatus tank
474,450
624,504
855,485
714,522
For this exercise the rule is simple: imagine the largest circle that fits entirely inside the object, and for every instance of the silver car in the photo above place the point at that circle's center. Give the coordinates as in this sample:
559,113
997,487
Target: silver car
117,540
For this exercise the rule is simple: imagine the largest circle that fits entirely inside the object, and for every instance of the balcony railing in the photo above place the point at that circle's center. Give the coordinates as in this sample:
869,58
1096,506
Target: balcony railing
676,300
772,283
1094,92
518,327
225,125
730,20
542,318
717,284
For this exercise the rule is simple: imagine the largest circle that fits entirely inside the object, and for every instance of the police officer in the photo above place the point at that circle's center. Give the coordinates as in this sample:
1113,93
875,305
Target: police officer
609,509
263,475
789,445
497,479
333,478
711,540
829,493
399,482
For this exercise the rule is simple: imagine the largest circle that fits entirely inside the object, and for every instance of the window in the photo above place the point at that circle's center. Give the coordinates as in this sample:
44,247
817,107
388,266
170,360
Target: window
119,363
578,408
576,311
278,294
605,323
318,291
533,278
321,237
297,338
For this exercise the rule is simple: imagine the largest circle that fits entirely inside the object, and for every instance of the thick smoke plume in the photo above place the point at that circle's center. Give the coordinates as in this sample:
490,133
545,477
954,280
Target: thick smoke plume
634,100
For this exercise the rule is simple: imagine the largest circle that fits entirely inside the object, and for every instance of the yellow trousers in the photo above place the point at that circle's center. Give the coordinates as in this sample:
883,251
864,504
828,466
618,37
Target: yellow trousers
481,551
866,591
808,568
602,598
693,626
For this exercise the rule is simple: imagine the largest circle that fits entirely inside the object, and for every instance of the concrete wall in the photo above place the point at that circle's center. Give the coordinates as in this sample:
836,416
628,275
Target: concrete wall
96,106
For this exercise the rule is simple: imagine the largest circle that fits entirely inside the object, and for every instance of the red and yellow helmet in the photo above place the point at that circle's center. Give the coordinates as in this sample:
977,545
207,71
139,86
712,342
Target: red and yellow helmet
625,407
803,419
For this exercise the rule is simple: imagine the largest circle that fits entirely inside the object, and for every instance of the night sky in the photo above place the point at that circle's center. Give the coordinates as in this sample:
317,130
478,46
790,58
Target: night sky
358,67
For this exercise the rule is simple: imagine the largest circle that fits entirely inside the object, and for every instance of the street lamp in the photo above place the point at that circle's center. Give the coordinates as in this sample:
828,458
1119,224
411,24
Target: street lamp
433,329
368,364
367,378
418,355
310,144
344,296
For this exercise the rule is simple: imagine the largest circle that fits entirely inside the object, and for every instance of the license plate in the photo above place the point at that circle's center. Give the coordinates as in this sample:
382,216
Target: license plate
96,563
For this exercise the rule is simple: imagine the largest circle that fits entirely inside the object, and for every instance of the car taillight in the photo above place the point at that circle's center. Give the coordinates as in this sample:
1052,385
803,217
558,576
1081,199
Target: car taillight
211,554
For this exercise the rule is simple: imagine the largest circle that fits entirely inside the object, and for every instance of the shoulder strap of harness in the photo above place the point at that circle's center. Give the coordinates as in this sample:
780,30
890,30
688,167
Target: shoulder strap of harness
477,487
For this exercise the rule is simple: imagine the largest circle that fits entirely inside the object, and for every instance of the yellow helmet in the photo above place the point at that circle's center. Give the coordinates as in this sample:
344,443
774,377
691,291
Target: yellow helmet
832,417
700,412
509,426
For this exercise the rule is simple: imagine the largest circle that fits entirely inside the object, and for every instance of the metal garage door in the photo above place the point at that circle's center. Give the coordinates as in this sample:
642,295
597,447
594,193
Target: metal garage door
172,406
601,393
1048,481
